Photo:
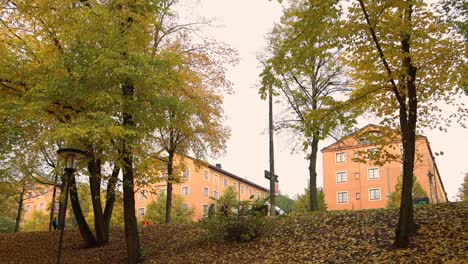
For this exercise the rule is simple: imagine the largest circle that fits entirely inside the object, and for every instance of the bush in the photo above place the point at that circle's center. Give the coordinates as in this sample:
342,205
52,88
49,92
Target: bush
242,222
7,225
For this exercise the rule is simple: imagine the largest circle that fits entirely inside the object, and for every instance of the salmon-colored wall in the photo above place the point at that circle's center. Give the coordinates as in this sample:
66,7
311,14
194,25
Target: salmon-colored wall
37,199
386,182
196,184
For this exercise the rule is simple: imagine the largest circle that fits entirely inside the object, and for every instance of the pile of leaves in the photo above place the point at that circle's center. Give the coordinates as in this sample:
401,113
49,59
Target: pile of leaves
329,237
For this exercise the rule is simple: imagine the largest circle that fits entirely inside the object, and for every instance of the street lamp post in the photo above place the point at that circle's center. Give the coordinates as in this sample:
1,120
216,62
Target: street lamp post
70,156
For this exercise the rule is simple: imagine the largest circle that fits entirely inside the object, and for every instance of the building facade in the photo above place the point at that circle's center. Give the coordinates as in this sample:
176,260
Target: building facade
201,183
37,198
360,172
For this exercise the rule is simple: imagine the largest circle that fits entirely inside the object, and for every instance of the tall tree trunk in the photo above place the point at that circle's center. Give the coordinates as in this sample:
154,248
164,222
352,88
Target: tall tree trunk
94,168
20,208
170,178
52,202
313,175
408,118
83,226
110,200
131,231
271,154
61,217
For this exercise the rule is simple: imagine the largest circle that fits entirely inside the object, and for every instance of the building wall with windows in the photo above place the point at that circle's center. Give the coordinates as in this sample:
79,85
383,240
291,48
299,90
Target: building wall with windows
200,184
355,179
37,198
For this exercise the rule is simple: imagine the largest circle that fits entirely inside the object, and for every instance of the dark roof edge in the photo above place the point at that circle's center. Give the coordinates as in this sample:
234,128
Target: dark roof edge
213,167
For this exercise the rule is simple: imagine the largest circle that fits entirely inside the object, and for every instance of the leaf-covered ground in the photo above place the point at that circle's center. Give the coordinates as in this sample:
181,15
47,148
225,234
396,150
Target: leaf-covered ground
333,237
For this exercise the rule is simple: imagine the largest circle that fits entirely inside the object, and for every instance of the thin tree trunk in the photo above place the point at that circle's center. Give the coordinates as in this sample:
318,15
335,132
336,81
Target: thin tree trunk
271,154
406,225
61,217
83,226
110,200
131,231
52,203
170,178
20,209
94,168
313,175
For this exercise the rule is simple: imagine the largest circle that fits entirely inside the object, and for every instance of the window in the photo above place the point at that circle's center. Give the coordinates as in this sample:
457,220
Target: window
41,207
258,195
185,190
374,194
216,179
205,210
186,173
234,184
26,208
163,191
206,175
341,176
242,188
372,153
340,157
225,182
215,195
250,192
356,175
401,149
141,212
342,197
29,194
206,191
43,192
185,207
358,196
141,195
373,173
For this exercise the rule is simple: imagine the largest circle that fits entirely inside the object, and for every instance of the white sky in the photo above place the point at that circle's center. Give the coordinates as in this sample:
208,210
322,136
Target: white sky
245,24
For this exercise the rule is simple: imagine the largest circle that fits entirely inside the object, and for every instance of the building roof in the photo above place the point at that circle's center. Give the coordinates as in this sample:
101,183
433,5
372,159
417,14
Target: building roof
370,127
220,170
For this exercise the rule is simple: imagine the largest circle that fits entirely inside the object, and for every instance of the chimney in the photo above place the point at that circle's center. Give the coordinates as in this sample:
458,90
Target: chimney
218,165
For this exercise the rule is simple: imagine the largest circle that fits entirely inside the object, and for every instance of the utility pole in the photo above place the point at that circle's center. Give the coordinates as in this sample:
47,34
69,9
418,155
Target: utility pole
272,156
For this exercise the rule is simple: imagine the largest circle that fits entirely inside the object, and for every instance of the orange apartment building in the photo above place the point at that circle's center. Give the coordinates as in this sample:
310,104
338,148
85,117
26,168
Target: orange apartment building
37,198
350,184
201,182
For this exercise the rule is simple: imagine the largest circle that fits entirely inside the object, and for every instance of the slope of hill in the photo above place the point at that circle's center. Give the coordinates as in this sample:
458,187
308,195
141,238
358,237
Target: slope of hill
332,237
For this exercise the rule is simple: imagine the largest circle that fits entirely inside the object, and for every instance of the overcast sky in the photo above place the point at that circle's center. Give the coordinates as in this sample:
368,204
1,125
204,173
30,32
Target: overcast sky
244,25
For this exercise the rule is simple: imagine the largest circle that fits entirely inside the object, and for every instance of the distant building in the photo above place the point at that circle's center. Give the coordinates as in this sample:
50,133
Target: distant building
201,183
349,184
37,198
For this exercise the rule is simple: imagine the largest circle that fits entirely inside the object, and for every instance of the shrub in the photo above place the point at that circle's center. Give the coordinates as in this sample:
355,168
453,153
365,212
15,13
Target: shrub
7,225
242,222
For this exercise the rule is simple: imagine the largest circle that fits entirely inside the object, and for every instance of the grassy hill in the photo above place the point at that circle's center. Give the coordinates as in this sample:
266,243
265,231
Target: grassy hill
331,237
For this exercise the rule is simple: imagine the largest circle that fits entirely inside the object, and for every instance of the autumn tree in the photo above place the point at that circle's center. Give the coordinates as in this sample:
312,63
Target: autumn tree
463,190
402,62
303,65
301,203
395,197
156,210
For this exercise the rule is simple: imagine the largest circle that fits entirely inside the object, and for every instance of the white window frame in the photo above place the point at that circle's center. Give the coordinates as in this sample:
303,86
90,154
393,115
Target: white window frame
375,189
205,212
378,173
182,190
141,195
216,179
342,156
27,208
356,175
206,191
206,175
215,194
345,174
338,199
225,182
186,173
234,184
358,196
258,195
185,206
251,192
144,211
242,188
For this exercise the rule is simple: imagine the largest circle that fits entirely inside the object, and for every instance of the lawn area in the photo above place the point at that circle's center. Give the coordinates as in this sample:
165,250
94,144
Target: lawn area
332,237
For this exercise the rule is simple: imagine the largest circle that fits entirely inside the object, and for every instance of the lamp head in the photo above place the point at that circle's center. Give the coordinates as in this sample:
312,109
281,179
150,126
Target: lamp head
71,156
